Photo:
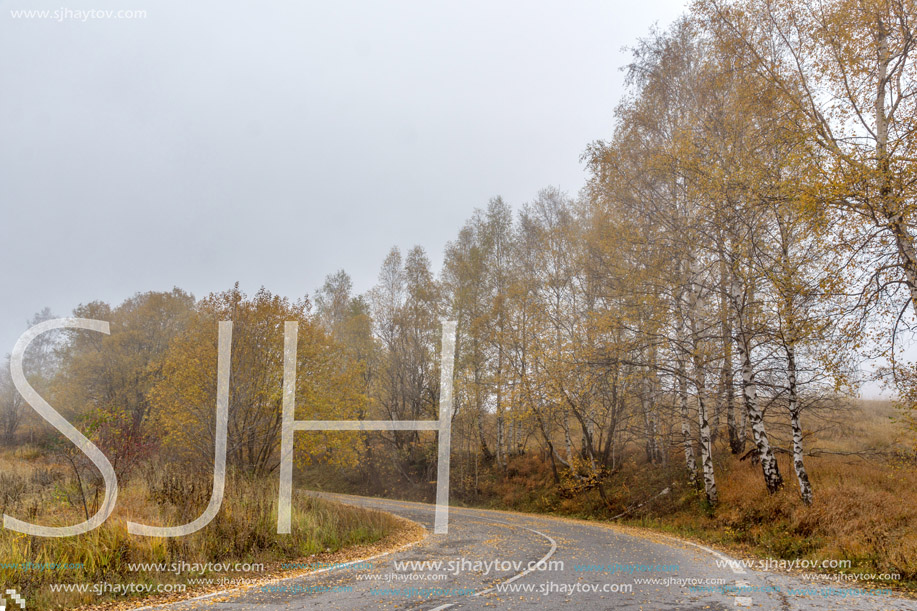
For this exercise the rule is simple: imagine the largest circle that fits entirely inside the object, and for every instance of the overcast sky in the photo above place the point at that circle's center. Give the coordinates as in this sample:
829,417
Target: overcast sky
275,142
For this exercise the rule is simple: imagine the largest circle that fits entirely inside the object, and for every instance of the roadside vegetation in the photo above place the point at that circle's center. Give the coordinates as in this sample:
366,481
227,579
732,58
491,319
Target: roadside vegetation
146,396
866,511
39,489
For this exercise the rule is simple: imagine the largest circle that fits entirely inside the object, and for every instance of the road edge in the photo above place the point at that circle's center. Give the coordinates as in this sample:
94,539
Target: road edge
416,532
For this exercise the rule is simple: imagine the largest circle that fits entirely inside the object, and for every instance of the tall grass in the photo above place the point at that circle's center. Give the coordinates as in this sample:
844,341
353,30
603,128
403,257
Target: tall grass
862,512
244,530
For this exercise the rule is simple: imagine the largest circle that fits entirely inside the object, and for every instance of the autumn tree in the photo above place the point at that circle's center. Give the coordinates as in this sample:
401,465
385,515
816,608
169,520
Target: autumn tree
105,380
40,364
185,399
406,304
848,69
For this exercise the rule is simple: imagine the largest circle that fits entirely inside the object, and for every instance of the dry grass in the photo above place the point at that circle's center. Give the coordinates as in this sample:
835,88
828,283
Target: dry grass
243,531
863,512
869,427
865,507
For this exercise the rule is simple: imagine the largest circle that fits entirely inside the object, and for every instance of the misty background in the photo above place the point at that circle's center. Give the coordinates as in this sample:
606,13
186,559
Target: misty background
275,142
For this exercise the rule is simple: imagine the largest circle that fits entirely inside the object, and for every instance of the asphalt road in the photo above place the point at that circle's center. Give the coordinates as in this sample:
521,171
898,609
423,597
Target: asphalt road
491,560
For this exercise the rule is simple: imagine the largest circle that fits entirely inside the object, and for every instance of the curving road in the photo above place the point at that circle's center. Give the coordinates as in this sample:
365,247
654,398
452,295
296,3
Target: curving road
490,560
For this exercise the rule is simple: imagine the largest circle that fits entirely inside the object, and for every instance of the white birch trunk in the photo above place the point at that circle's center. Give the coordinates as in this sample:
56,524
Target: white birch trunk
568,443
706,446
686,440
772,478
802,476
